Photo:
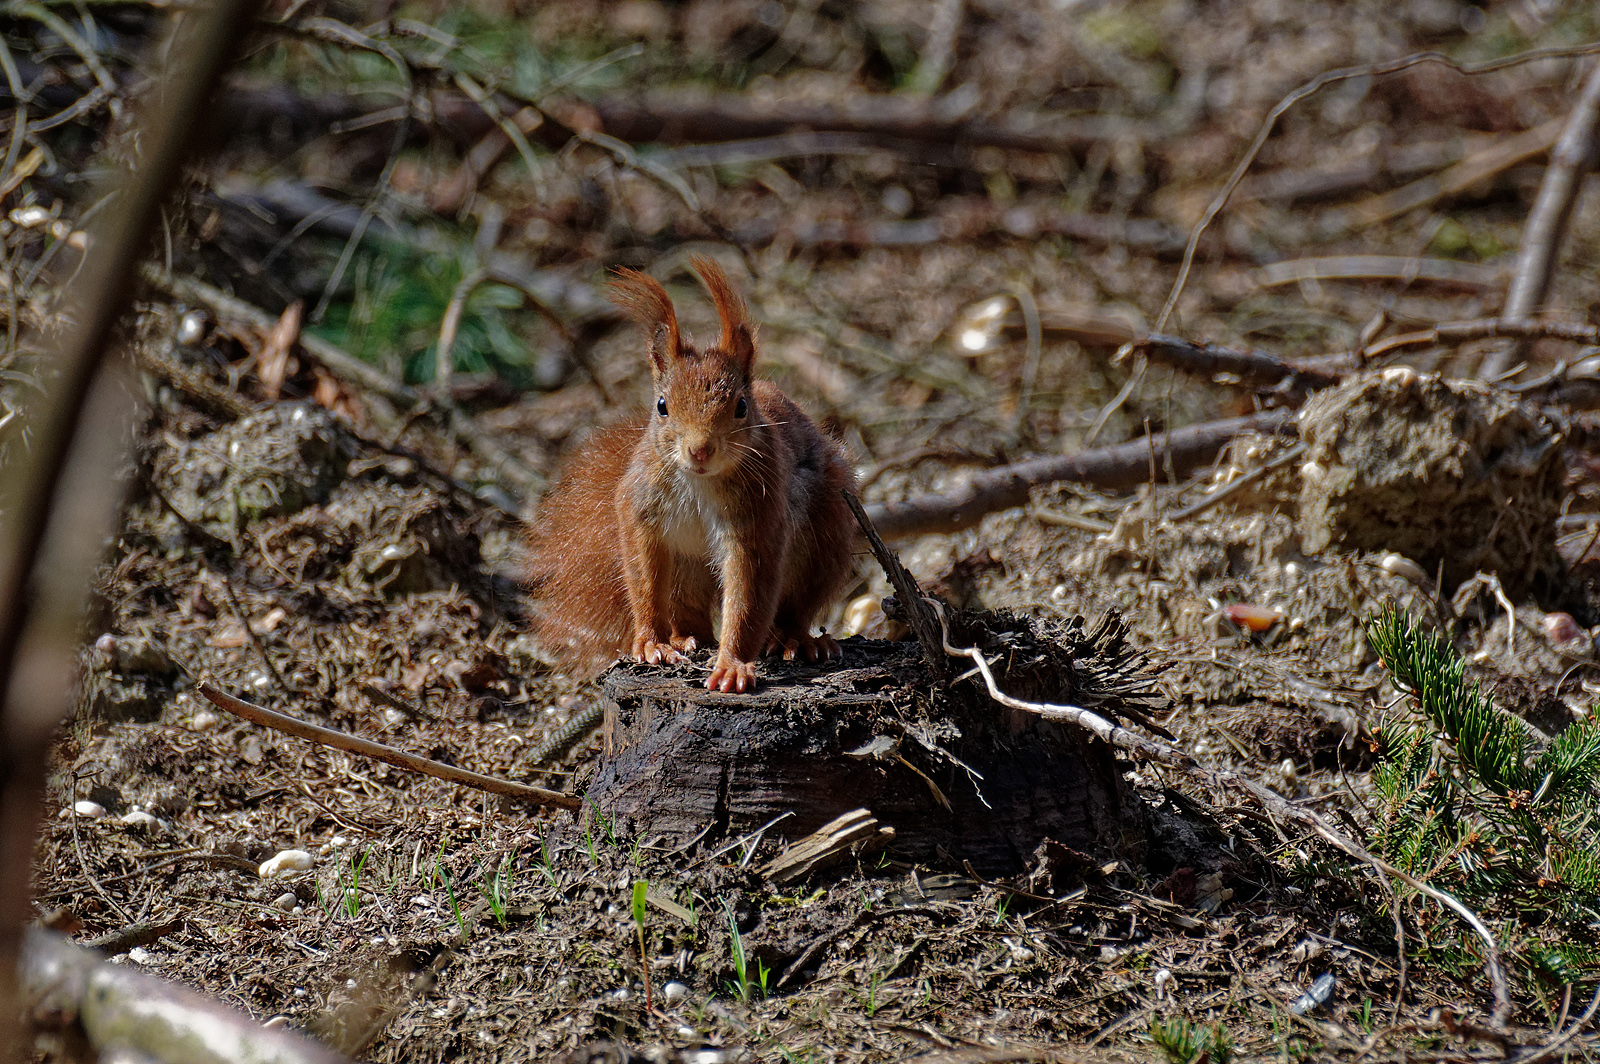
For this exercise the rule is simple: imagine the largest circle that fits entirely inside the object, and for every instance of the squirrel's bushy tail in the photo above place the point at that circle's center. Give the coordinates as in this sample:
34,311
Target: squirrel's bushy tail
580,611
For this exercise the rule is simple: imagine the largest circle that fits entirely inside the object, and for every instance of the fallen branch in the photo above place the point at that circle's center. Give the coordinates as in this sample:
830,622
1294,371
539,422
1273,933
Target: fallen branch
1273,803
1475,169
1446,273
339,740
1541,238
124,1013
1254,369
1120,466
1463,332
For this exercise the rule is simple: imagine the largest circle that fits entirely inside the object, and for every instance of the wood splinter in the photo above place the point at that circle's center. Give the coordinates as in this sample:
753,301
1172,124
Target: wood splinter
851,835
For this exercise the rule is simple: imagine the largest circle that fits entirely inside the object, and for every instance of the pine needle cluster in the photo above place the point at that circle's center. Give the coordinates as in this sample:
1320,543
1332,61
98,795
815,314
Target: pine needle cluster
1474,803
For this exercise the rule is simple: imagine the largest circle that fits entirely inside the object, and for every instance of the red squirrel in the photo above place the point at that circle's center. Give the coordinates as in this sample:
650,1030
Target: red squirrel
722,496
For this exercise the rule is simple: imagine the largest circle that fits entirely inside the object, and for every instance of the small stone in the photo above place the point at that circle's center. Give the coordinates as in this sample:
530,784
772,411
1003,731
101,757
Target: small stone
139,955
1561,628
203,720
285,902
285,863
89,810
192,328
138,818
674,992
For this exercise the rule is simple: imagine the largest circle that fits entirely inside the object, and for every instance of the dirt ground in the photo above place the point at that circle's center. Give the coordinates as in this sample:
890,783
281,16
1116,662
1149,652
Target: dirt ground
296,539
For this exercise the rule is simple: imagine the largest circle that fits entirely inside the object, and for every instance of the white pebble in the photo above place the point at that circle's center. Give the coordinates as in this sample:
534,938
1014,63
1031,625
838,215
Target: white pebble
192,327
285,863
619,994
139,955
91,810
687,1033
1164,983
285,902
138,818
1404,567
674,992
275,1022
203,720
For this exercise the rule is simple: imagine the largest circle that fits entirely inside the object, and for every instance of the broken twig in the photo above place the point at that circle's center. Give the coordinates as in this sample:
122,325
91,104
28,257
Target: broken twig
339,740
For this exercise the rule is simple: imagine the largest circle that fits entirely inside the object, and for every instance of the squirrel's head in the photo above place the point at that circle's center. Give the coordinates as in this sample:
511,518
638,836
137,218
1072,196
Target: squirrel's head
702,397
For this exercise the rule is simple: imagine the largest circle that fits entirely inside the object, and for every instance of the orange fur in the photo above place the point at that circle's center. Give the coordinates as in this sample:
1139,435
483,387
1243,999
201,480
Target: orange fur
729,503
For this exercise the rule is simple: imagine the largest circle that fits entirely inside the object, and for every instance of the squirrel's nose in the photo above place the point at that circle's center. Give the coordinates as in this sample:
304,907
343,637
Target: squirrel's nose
701,453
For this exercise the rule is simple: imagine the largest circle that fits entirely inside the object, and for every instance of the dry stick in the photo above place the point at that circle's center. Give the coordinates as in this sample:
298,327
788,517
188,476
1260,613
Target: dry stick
1122,465
1202,505
1463,332
244,619
379,752
39,633
1446,273
908,594
443,365
1253,368
1475,169
1272,802
1541,239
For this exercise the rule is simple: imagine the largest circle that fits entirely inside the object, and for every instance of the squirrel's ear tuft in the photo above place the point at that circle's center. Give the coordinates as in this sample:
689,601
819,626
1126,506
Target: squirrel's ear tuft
738,333
641,297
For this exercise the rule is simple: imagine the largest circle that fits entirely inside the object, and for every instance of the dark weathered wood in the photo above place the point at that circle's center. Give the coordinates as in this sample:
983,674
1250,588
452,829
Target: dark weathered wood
817,742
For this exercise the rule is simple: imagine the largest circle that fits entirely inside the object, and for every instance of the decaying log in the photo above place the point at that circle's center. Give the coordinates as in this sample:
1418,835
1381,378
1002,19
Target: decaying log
957,777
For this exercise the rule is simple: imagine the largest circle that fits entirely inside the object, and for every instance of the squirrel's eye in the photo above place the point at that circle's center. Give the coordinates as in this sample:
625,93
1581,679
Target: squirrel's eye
739,407
661,405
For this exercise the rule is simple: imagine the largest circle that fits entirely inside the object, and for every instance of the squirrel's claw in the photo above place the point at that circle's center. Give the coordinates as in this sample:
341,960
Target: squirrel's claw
653,652
729,675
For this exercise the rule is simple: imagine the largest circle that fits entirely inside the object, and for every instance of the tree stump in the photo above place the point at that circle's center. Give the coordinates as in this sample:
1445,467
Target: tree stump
960,778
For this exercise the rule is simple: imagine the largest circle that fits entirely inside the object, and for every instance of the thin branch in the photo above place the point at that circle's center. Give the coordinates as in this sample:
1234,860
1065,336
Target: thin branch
339,740
1120,466
1253,368
1475,169
443,364
1201,506
1464,332
1541,238
1447,273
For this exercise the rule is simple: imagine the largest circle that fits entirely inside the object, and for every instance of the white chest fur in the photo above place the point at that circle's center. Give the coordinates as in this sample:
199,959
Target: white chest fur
693,524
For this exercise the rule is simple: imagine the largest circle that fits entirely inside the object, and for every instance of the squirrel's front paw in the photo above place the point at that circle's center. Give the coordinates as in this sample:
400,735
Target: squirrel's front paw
649,650
730,675
805,645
